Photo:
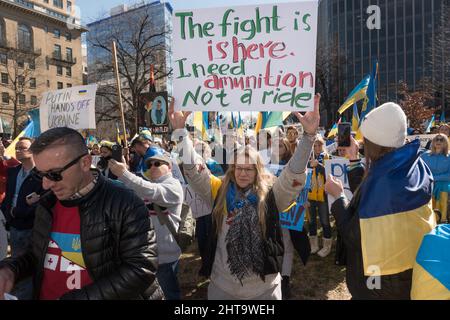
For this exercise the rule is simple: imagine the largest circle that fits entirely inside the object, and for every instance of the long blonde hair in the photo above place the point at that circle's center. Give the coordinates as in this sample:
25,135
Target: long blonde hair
261,187
433,146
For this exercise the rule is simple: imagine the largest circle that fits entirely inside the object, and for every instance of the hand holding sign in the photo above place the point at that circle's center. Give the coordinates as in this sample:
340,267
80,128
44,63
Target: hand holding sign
310,121
333,186
178,118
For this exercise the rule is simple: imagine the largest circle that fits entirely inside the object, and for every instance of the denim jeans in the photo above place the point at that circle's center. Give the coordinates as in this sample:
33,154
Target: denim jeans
202,230
168,280
20,240
319,208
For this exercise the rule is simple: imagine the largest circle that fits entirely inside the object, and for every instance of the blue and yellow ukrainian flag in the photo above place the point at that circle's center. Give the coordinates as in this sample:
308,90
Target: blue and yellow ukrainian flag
442,120
30,132
431,124
356,95
431,274
370,102
261,121
395,210
355,118
201,123
276,119
334,130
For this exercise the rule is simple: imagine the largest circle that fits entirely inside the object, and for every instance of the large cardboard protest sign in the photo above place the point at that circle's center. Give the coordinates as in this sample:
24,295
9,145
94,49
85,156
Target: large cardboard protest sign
246,58
338,168
72,107
153,112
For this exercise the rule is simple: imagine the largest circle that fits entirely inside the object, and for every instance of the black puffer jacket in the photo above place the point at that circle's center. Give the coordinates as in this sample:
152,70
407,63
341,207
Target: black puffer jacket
118,244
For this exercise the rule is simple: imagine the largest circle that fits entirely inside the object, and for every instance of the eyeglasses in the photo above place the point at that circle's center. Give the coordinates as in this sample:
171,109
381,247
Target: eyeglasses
22,149
246,170
439,140
55,175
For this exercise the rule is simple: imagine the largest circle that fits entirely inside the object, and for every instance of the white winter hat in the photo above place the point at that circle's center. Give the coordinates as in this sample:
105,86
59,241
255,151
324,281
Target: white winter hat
385,126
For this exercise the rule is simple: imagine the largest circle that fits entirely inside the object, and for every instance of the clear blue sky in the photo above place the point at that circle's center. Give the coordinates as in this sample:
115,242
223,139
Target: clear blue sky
92,10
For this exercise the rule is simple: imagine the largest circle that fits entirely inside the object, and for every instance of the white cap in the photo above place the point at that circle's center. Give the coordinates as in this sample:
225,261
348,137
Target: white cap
385,126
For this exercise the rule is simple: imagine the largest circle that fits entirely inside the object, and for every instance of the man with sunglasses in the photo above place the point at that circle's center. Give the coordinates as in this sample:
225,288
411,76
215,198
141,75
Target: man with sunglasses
92,238
164,196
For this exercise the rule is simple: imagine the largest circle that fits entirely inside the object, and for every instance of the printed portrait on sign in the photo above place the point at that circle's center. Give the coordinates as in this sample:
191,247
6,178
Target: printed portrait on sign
159,111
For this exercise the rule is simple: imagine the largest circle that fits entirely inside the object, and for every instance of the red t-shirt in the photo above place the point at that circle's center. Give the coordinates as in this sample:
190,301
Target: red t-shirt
64,268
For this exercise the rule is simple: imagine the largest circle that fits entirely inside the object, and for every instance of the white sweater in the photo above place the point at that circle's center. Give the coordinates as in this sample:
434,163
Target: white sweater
165,192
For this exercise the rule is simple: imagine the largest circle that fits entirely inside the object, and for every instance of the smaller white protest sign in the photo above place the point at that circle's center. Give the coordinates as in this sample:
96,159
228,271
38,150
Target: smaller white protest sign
338,168
424,138
198,205
72,107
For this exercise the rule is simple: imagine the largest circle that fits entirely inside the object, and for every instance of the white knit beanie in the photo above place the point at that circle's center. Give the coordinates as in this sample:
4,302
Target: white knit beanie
385,126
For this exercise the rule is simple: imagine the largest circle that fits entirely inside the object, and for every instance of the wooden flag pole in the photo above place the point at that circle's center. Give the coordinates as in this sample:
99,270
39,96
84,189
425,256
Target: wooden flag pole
119,91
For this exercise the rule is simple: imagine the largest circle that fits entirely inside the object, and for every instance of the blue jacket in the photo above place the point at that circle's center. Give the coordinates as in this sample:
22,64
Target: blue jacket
439,165
23,213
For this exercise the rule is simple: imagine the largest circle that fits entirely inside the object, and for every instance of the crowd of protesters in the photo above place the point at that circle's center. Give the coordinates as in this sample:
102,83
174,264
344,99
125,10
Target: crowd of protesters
108,229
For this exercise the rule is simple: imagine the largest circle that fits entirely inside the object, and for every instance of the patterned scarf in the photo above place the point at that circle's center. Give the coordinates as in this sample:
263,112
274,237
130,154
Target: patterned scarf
244,240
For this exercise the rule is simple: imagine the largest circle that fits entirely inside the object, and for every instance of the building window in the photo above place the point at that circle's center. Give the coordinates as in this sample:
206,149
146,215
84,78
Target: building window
32,64
60,85
69,85
20,63
5,97
58,3
3,59
5,78
45,1
69,54
57,33
57,51
33,83
25,38
69,7
68,36
48,83
33,100
69,71
22,99
21,80
59,70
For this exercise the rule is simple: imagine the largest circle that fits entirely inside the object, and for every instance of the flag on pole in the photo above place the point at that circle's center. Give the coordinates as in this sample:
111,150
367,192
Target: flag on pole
355,118
334,130
261,121
443,116
356,95
431,124
276,119
370,102
201,123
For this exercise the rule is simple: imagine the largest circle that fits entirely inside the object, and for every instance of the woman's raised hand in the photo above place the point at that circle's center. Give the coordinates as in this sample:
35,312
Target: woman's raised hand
178,118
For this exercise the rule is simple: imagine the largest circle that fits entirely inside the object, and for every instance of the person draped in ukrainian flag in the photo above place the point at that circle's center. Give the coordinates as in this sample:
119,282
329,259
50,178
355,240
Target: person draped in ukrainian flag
431,274
438,160
385,222
245,247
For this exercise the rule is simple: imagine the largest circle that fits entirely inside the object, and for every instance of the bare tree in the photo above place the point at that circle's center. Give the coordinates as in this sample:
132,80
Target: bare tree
21,77
140,44
329,80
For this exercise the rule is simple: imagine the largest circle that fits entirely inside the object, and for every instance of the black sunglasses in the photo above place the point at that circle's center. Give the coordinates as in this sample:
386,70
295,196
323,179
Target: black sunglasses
155,163
55,175
439,139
